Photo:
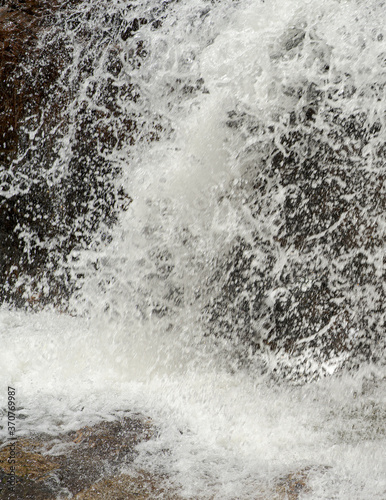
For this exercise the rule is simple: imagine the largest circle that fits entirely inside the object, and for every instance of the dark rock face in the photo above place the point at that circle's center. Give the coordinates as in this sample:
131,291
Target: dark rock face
21,93
332,224
58,174
311,283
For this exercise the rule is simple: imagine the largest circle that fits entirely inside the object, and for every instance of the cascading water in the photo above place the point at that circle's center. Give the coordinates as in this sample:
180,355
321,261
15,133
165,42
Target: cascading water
213,296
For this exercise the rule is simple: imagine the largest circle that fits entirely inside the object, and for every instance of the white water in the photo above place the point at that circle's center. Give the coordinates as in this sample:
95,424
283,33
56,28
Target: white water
225,435
225,432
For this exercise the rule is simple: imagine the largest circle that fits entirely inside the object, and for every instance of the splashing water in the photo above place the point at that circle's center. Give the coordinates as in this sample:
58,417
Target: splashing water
202,95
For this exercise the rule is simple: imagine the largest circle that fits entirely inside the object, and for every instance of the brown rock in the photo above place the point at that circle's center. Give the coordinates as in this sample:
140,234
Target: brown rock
141,486
72,462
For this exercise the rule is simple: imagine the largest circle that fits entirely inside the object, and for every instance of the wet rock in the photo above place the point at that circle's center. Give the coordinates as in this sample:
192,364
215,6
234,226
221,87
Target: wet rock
31,464
141,485
87,464
46,467
23,92
333,277
308,282
293,485
100,450
56,194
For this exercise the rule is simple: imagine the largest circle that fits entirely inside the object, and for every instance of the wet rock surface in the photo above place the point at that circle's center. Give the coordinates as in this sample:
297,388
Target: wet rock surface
309,283
57,193
23,204
87,464
47,467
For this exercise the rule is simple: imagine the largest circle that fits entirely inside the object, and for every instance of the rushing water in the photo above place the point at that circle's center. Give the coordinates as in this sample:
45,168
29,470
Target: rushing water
137,337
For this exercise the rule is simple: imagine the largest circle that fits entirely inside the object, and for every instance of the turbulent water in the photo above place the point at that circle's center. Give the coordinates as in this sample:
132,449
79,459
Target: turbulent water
138,336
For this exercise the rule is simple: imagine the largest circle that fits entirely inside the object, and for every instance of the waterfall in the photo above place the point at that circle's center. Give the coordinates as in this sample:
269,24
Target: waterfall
194,223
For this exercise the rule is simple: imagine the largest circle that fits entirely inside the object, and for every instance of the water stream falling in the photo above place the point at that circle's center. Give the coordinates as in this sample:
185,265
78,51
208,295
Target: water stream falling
192,98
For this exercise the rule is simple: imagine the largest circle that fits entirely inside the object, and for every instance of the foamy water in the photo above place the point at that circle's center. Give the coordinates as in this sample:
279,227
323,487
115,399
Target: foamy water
227,435
136,340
